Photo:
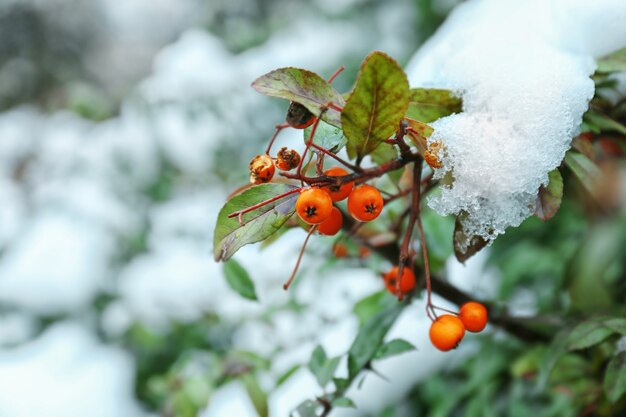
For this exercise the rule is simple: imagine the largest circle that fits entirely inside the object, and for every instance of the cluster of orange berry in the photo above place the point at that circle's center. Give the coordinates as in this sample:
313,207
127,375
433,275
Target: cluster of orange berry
447,330
315,205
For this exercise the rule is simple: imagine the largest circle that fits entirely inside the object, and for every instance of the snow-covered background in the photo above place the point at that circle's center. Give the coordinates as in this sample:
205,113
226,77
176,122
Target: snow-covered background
106,221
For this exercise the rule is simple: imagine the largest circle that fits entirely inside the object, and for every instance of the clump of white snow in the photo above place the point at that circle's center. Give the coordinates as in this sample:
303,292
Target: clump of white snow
523,71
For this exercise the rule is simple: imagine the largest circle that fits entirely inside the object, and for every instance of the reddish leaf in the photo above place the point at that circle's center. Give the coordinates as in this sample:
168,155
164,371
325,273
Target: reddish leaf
465,246
549,197
304,87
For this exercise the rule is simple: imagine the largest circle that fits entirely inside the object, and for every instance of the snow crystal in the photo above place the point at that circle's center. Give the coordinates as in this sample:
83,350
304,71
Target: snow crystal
523,71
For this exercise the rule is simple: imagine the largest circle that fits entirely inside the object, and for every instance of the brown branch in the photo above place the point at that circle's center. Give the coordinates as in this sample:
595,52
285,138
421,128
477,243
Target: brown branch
362,175
404,256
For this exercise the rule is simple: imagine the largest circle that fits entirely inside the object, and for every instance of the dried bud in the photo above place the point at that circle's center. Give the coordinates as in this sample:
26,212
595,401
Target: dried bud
431,156
287,159
261,169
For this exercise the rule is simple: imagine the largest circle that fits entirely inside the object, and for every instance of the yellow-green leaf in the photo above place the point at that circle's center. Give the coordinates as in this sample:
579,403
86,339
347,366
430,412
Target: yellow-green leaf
429,104
613,62
376,106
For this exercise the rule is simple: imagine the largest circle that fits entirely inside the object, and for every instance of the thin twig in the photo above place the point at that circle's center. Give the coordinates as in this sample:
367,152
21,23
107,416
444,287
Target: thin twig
279,128
295,269
240,213
404,257
337,158
335,74
308,145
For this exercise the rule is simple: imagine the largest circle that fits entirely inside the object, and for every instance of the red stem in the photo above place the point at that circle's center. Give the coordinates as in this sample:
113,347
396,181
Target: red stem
429,304
240,213
308,145
445,309
295,269
335,74
413,217
398,195
278,129
405,151
337,158
333,106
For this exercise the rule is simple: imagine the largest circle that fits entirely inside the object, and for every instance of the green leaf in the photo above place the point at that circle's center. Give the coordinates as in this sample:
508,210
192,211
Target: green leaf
555,351
307,408
376,106
618,325
369,306
304,87
429,104
256,394
615,377
259,224
247,358
239,280
529,362
370,337
284,377
317,361
341,384
588,287
343,402
322,367
585,170
587,334
387,412
613,62
385,152
326,136
604,123
549,197
465,246
392,348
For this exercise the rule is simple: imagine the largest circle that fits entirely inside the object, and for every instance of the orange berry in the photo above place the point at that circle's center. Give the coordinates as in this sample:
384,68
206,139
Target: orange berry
299,116
314,205
287,159
338,192
261,169
340,250
474,316
364,251
446,332
407,281
365,203
332,224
